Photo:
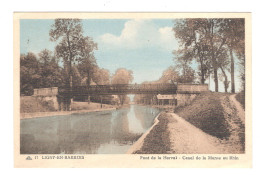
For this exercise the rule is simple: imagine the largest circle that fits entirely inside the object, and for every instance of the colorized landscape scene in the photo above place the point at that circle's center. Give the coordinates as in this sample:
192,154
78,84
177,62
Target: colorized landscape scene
132,86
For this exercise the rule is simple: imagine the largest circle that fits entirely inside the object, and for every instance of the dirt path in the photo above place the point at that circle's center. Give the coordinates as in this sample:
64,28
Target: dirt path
239,108
235,117
187,139
200,128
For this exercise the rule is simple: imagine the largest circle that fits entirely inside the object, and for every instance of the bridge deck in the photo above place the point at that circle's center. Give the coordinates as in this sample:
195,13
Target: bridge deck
120,89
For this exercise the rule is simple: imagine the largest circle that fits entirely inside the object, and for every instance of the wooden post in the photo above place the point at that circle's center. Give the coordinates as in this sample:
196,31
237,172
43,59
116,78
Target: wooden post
88,99
101,101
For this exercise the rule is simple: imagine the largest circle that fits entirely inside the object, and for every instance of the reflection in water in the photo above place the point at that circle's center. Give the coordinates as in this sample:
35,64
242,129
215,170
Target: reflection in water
107,132
142,113
134,125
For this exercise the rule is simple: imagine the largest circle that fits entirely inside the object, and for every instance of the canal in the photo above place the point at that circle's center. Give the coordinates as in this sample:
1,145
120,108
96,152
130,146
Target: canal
105,132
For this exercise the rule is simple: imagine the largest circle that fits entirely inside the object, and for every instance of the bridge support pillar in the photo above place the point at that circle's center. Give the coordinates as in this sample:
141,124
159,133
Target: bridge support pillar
64,103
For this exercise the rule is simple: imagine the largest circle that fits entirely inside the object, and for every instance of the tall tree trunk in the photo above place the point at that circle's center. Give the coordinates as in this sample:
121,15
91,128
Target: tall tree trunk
216,79
70,71
88,81
213,56
70,61
215,69
202,77
202,72
215,72
226,79
89,78
232,71
201,55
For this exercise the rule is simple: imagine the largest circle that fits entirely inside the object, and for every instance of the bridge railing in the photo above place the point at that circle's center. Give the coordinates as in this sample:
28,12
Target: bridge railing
52,91
119,89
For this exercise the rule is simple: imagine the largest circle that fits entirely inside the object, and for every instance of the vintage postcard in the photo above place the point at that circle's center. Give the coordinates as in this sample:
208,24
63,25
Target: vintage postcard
132,90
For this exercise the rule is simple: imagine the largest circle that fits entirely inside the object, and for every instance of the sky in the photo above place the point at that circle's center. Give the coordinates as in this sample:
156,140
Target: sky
142,45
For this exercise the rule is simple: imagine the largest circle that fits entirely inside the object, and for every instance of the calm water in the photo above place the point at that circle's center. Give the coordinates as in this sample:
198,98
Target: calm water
107,132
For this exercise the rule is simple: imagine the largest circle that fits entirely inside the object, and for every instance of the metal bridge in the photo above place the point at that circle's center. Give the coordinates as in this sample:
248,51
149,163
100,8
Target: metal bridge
63,95
118,89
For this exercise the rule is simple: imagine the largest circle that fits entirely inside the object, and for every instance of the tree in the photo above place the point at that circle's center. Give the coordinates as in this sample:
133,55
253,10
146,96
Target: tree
170,75
234,32
186,73
68,32
76,77
29,73
187,76
49,70
87,63
39,72
223,64
101,76
45,56
122,76
72,46
192,46
205,40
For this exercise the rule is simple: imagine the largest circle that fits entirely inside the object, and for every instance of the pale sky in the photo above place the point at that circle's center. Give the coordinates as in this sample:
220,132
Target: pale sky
143,46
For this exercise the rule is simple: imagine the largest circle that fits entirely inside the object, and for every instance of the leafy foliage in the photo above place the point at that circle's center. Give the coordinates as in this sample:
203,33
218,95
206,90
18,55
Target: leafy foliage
29,73
122,76
208,41
39,73
73,48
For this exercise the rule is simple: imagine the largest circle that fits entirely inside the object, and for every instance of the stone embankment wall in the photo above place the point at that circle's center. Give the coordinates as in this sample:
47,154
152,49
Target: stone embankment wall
187,92
192,88
48,95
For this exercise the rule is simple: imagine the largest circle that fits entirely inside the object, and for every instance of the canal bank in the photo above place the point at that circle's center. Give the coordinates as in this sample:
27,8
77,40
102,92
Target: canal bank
31,108
60,113
156,139
211,124
101,132
139,143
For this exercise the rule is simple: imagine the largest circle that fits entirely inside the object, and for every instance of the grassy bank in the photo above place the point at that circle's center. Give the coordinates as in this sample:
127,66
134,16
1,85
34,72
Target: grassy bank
88,106
31,104
157,141
209,124
32,107
206,112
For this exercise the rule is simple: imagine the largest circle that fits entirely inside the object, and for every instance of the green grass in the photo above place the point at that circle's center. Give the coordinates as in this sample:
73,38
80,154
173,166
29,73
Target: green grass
157,141
206,112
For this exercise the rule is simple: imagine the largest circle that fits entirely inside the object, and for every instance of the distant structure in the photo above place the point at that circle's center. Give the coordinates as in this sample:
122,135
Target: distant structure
192,88
172,94
170,99
49,95
52,91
